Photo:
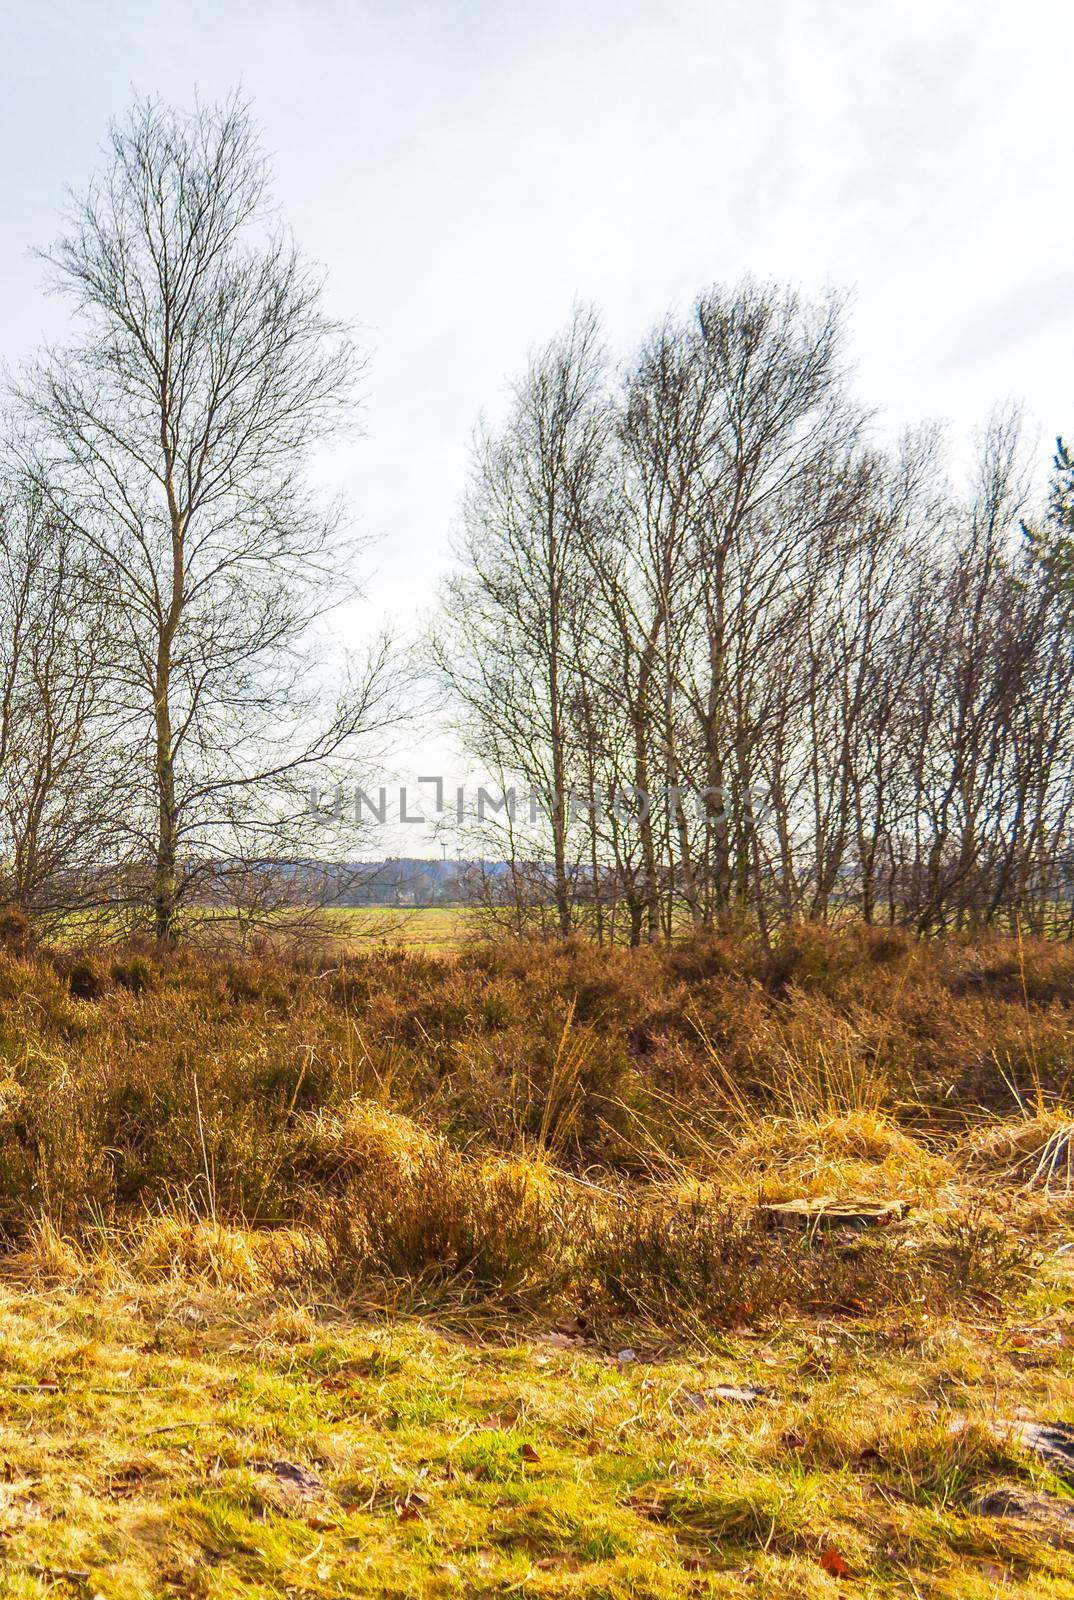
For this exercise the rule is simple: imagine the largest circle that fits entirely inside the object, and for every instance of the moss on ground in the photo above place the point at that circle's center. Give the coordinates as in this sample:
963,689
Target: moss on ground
138,1427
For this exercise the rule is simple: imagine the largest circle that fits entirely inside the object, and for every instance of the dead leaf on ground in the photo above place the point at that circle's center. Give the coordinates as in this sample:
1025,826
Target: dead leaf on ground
409,1506
834,1563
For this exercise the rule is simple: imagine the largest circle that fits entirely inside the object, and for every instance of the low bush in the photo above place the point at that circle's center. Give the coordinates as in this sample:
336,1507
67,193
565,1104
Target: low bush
413,1110
701,1261
709,1264
451,1225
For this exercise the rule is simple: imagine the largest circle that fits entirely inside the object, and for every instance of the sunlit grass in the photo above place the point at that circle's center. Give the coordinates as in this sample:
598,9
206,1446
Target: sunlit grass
138,1425
469,1238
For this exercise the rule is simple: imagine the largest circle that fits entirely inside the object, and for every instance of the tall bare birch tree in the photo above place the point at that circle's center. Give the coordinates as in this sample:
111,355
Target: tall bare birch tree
62,788
517,612
175,434
825,685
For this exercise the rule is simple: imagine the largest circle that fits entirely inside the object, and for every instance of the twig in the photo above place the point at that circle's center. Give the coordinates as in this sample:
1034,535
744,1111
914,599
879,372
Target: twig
175,1427
69,1574
59,1388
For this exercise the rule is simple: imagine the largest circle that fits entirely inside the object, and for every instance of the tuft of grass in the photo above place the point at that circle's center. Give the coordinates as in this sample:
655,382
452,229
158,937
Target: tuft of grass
437,1221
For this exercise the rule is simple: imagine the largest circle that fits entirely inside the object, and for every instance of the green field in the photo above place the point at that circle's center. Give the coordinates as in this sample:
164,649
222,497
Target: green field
198,1438
436,927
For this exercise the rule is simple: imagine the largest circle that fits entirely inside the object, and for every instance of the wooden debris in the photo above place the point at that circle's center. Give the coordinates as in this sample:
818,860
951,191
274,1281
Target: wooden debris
56,1574
1053,1442
824,1212
293,1483
744,1395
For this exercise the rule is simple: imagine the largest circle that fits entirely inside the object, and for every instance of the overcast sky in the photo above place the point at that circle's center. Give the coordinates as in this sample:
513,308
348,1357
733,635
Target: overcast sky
467,170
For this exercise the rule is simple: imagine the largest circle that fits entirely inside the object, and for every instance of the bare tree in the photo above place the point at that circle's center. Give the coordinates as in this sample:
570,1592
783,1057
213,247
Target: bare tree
61,786
739,477
706,583
175,437
517,611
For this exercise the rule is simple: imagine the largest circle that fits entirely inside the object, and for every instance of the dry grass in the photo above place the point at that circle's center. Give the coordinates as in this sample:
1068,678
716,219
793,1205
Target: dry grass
855,1153
212,1170
140,1420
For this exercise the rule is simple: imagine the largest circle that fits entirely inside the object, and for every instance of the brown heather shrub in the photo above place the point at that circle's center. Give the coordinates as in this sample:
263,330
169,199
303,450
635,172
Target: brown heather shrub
1038,974
665,1262
16,933
809,957
709,1264
454,1226
392,1104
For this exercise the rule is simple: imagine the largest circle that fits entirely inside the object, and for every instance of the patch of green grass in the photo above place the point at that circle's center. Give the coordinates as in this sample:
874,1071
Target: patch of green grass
138,1427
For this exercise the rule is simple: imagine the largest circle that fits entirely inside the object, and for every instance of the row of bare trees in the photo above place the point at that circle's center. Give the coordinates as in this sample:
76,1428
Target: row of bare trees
761,667
164,561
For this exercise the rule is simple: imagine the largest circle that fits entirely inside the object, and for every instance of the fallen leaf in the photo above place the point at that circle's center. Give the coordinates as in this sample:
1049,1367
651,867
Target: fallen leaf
408,1507
833,1563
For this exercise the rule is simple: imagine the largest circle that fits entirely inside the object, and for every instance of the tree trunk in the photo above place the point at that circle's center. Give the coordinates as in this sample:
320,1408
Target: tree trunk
165,875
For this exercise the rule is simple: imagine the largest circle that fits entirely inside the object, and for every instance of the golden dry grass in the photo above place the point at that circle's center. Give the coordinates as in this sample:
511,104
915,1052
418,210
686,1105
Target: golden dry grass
141,1412
391,1218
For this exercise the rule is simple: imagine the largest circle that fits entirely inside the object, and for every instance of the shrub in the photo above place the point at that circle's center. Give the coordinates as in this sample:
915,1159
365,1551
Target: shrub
449,1224
811,957
133,972
380,1089
16,935
712,1265
85,980
667,1263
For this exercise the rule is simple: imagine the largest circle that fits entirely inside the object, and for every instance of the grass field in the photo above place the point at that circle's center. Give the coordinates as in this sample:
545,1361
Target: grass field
448,1273
149,1434
434,927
